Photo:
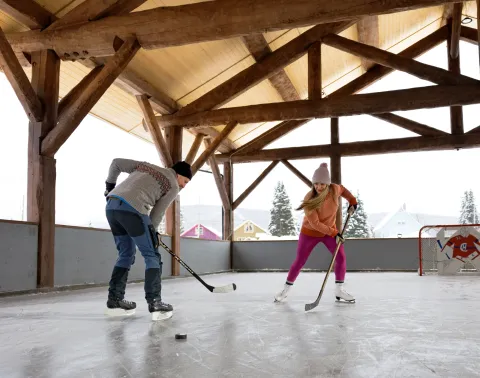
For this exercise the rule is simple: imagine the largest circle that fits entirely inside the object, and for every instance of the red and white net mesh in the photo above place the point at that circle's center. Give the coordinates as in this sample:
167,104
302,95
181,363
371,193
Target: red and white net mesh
449,249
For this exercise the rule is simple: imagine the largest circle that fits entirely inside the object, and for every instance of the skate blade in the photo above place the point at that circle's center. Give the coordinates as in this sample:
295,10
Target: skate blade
161,315
344,300
118,312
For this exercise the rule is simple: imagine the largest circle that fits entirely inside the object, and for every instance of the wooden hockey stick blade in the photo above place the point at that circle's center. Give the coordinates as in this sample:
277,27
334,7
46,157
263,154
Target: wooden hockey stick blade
214,289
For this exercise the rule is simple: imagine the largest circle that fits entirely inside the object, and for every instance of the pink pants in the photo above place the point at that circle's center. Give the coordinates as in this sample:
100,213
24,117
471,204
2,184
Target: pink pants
305,246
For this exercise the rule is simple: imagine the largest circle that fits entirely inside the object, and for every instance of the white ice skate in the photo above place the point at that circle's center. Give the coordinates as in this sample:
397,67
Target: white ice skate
340,294
283,294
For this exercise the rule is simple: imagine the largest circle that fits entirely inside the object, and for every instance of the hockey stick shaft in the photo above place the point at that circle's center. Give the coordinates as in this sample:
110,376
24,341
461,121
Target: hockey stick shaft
184,265
310,306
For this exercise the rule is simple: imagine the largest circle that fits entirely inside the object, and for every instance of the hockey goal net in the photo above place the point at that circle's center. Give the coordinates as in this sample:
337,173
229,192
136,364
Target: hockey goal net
449,249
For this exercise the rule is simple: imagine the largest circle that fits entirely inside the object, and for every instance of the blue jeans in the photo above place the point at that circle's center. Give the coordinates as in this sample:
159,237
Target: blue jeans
130,228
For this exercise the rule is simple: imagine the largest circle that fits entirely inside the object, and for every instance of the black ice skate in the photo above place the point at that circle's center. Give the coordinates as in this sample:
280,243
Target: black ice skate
117,307
160,310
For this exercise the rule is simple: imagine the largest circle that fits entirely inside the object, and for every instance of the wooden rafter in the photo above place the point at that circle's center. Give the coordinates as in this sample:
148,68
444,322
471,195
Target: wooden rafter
155,132
388,59
271,135
297,173
410,125
89,97
222,191
362,82
213,146
412,144
194,148
185,24
469,35
91,10
379,71
28,12
254,184
19,81
370,103
259,48
367,29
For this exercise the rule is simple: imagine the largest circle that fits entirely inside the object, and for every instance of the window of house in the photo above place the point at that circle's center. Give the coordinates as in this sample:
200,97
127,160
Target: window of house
248,228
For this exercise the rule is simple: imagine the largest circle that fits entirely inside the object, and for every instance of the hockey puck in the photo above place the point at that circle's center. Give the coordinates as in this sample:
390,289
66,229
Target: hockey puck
180,336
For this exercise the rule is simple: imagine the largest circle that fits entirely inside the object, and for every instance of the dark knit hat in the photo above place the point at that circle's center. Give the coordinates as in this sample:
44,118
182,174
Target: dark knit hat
183,169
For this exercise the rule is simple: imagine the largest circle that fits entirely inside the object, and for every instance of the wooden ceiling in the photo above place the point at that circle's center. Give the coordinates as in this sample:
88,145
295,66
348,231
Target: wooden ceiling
182,74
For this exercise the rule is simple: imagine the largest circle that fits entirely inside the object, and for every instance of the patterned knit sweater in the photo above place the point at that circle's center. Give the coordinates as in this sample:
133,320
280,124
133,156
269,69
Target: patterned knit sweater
148,188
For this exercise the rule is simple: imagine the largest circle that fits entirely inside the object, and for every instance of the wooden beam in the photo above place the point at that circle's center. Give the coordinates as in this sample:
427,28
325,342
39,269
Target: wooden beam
27,12
41,169
91,10
376,147
336,165
194,148
469,35
453,52
259,48
315,71
271,135
378,71
410,125
80,108
447,13
72,96
388,59
369,103
474,130
228,214
213,146
17,78
185,24
456,24
222,191
297,173
262,70
155,132
254,184
367,29
172,216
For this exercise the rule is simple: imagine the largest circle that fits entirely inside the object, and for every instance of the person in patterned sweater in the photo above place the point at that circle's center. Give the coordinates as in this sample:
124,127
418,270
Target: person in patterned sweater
134,211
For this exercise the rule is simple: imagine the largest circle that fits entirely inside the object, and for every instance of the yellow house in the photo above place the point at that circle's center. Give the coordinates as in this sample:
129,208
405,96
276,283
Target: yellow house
248,230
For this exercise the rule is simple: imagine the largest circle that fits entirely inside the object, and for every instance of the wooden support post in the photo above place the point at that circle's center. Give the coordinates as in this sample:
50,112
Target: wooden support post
453,51
41,169
228,214
194,149
250,189
336,166
172,216
315,71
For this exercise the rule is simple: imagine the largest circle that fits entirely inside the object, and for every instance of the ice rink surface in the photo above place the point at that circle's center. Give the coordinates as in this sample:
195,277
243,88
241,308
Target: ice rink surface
402,325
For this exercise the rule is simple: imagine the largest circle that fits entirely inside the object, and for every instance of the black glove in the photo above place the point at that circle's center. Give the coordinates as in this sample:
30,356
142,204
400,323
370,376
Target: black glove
109,188
339,238
352,209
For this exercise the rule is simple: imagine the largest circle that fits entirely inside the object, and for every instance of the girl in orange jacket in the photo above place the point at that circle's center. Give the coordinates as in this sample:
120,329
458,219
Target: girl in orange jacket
320,206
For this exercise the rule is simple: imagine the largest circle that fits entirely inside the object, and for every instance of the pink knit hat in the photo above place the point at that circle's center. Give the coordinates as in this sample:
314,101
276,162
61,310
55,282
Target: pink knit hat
321,175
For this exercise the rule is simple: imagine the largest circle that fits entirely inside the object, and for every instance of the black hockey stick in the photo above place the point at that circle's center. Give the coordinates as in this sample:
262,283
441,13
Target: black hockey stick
214,289
310,306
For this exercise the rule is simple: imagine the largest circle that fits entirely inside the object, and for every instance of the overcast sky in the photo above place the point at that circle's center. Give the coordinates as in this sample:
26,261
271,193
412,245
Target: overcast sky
428,182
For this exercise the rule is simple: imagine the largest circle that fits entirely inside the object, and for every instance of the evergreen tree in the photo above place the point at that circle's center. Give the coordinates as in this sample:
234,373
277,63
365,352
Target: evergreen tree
468,212
281,217
358,224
